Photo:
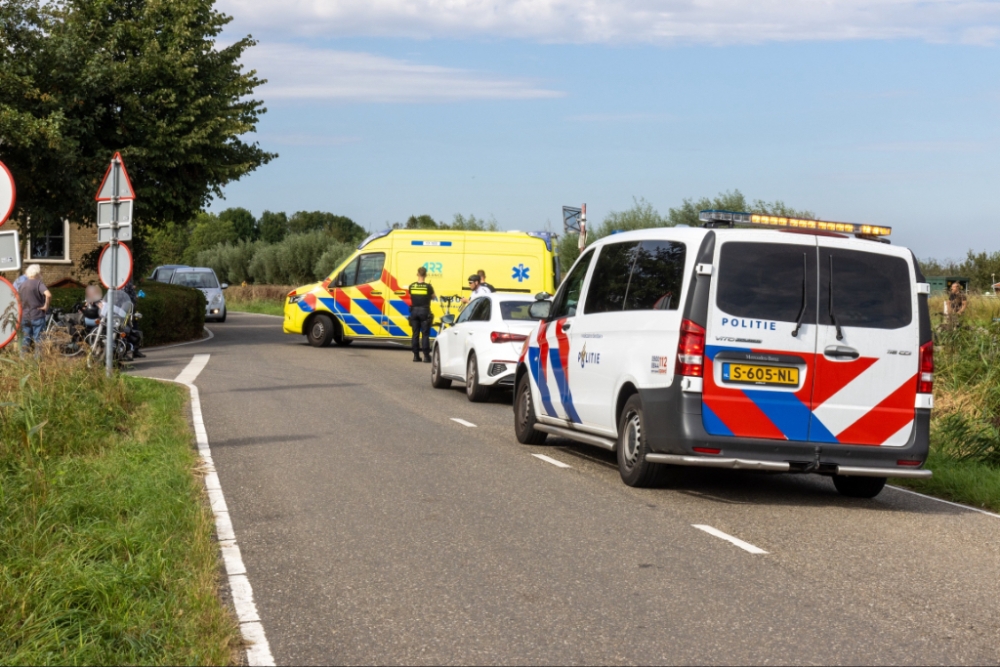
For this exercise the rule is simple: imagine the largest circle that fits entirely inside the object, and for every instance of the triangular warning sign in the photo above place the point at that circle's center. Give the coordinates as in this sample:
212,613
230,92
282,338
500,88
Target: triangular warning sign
125,191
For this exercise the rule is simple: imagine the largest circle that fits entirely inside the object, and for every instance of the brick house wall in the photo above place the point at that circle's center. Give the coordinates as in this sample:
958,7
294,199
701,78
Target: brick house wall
79,240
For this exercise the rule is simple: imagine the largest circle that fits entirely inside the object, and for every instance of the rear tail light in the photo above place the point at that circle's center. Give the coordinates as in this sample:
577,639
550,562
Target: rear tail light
925,379
691,350
504,337
908,462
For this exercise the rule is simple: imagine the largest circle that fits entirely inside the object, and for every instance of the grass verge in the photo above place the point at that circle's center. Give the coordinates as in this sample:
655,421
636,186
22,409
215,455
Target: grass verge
257,306
106,546
968,482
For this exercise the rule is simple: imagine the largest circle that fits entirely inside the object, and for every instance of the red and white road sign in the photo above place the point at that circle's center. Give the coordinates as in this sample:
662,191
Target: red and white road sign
125,190
111,256
10,312
8,193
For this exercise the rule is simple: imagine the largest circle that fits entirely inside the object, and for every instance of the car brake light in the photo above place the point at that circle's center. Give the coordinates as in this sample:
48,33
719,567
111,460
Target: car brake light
691,350
925,379
504,337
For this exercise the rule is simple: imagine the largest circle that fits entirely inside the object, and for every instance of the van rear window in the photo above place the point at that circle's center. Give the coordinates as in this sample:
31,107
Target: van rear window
764,280
869,290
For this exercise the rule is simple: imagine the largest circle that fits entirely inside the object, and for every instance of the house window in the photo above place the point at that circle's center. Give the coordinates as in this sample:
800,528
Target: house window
50,246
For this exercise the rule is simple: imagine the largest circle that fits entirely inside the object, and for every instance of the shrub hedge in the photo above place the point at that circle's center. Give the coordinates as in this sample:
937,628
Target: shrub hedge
170,313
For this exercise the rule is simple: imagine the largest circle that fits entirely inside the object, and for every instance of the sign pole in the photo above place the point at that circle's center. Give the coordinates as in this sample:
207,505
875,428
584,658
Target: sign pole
110,340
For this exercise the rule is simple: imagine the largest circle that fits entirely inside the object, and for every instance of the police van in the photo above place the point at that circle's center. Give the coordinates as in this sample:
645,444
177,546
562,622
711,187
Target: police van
754,342
366,297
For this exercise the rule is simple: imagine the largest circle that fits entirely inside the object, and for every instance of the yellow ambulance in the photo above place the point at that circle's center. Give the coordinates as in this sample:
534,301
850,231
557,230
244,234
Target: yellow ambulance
367,296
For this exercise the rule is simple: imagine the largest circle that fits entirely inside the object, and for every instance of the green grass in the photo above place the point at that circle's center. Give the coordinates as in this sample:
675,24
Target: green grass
968,482
106,545
256,306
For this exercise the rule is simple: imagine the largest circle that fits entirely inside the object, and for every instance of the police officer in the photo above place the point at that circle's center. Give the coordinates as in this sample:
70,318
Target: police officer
421,293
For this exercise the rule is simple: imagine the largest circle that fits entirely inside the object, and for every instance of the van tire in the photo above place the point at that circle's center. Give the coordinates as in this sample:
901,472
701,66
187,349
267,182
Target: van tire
524,415
476,392
859,487
632,447
320,331
437,381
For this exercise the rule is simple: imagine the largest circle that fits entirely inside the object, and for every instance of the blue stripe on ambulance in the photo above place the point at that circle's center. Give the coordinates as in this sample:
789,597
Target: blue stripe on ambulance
345,317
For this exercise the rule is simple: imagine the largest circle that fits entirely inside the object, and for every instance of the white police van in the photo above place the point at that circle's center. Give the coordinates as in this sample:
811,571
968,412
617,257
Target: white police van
805,348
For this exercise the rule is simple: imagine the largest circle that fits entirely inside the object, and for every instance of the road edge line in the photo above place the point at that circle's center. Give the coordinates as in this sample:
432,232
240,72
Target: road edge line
548,459
942,500
735,541
257,648
207,338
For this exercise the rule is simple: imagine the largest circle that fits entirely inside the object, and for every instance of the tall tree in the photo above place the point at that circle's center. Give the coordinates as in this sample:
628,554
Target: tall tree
244,224
81,79
340,227
273,227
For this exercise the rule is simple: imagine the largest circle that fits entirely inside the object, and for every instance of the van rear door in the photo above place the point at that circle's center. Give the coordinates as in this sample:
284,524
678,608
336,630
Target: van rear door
760,344
868,344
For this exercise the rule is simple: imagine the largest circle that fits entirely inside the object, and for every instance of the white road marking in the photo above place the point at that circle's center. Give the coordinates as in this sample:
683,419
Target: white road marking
193,369
463,422
549,459
746,546
257,647
946,502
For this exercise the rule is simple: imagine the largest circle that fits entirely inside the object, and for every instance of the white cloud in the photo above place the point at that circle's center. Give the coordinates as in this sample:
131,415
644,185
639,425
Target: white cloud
626,21
322,74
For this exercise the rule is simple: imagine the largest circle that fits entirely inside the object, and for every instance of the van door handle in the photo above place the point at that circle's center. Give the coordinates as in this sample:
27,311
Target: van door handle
376,293
401,292
566,325
841,352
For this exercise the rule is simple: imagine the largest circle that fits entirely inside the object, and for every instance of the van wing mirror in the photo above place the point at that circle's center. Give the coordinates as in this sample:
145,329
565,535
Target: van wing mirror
540,310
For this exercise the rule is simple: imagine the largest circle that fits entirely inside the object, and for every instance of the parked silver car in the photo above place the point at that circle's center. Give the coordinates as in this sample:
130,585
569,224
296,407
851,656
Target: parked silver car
205,280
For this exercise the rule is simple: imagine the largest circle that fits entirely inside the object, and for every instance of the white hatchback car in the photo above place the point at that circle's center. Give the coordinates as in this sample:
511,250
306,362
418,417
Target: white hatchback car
204,279
481,349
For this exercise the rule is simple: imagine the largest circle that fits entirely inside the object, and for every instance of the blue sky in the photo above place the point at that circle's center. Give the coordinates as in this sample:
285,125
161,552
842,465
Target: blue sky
882,112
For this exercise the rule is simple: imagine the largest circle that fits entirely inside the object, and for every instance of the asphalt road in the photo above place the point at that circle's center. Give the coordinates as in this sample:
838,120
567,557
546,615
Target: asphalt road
375,529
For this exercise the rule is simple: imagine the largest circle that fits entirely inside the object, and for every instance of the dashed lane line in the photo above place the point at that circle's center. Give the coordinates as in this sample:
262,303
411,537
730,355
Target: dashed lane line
549,459
746,546
463,422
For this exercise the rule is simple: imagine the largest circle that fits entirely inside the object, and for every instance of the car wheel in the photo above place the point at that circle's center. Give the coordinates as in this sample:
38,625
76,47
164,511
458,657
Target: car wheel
859,487
632,448
437,381
476,392
524,415
320,331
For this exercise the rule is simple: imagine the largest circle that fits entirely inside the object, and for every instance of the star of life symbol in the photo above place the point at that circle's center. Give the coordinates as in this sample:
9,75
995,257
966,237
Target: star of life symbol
521,273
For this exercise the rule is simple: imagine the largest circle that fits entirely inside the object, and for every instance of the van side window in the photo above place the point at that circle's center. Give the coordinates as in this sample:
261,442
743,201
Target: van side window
611,278
346,277
568,296
646,275
764,280
869,289
370,267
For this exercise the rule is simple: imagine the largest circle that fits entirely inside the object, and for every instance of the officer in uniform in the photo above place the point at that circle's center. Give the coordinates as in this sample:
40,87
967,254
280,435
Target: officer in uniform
421,293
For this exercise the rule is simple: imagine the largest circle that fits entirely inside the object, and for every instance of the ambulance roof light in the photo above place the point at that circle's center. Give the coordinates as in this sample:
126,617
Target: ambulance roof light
716,218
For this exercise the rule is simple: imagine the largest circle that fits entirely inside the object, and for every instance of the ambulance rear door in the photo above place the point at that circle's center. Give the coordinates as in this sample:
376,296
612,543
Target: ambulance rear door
869,344
760,342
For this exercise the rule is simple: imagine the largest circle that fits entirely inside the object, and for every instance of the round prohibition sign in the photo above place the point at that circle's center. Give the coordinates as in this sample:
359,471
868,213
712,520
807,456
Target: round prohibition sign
10,307
122,257
8,193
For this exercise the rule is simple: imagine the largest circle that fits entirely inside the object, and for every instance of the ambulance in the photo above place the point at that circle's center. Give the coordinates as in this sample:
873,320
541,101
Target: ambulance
753,342
367,298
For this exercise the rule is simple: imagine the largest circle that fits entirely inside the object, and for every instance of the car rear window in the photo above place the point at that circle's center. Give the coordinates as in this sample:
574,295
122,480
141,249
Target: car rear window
516,310
869,289
764,280
199,279
643,275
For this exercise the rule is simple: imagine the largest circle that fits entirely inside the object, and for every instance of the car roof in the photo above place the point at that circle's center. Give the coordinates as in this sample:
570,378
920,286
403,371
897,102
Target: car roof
196,269
171,266
510,296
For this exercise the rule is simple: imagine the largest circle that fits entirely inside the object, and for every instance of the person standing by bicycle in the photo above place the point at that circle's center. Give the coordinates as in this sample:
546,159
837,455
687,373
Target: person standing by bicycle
35,300
421,294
